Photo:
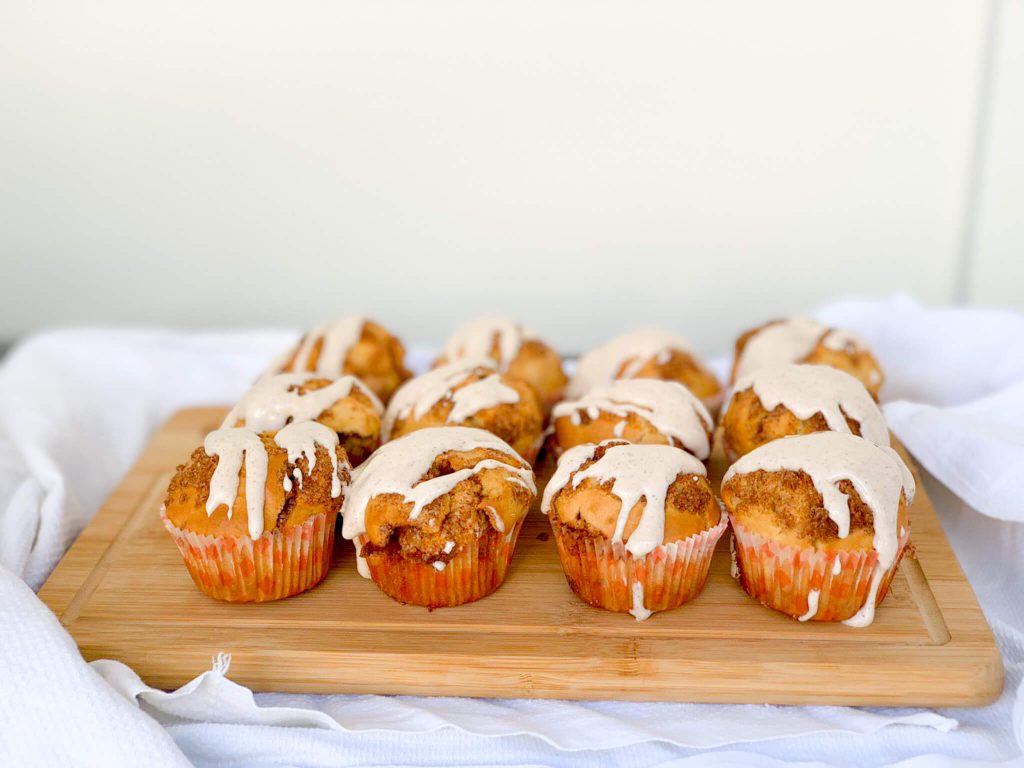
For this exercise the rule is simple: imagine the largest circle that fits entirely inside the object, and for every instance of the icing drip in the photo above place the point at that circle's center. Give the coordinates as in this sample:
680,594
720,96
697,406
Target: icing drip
421,394
877,473
791,341
812,605
809,389
301,438
601,365
338,338
639,612
399,466
274,401
476,339
667,405
636,472
233,445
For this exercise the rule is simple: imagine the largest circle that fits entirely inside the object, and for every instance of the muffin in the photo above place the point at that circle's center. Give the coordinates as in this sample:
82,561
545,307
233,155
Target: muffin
782,400
819,524
354,346
803,340
470,394
648,353
642,411
253,514
435,515
344,405
635,525
515,352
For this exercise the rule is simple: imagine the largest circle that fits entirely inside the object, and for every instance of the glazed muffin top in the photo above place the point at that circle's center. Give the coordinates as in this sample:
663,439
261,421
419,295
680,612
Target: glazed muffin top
434,488
469,393
245,483
637,411
641,495
804,340
352,345
646,353
274,401
513,349
826,489
781,400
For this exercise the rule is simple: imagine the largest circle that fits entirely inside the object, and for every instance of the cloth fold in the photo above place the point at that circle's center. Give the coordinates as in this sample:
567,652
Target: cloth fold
76,406
567,725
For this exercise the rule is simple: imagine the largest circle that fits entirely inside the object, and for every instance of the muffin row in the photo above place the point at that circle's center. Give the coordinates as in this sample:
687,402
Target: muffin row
435,512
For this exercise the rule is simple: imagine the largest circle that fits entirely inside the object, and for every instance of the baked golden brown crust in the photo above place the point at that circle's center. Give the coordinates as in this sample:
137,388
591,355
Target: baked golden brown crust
377,359
484,501
680,366
355,418
185,502
519,424
592,509
746,424
856,361
633,428
536,363
784,506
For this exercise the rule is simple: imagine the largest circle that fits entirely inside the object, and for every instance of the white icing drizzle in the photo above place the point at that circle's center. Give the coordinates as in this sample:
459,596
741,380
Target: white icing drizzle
791,341
669,407
636,472
301,438
419,395
274,401
809,389
475,340
734,565
812,605
877,473
639,612
599,366
837,566
233,445
338,338
397,467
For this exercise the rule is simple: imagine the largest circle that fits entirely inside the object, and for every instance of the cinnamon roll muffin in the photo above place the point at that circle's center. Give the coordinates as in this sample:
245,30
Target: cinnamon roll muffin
643,411
253,514
781,400
354,346
804,340
515,351
819,524
648,353
345,405
636,525
435,515
471,394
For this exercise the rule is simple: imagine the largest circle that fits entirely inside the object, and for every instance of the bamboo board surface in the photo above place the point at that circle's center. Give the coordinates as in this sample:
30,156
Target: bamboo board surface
123,593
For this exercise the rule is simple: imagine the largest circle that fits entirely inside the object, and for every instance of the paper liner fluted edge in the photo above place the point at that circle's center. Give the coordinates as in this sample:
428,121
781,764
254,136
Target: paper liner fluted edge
783,577
278,564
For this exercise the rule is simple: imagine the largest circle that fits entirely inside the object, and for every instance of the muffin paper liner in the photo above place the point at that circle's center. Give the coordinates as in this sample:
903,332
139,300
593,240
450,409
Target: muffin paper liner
606,575
785,578
475,572
279,564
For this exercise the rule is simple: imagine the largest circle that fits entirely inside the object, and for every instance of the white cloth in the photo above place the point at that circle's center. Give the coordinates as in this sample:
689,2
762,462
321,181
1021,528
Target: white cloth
76,406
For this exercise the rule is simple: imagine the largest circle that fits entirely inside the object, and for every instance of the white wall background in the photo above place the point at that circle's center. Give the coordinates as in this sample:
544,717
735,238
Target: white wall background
586,166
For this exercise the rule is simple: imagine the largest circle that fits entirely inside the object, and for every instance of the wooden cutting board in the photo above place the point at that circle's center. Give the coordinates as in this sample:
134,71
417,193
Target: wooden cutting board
123,593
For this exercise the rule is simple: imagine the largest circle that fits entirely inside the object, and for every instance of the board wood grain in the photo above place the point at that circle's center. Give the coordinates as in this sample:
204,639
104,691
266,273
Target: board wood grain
123,593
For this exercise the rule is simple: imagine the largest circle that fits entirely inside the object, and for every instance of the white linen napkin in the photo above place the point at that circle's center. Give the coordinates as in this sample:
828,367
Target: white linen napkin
77,406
